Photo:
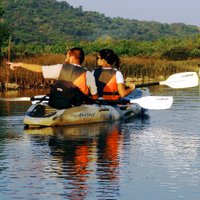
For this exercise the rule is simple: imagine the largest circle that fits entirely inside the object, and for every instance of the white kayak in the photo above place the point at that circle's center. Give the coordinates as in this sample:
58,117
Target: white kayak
41,115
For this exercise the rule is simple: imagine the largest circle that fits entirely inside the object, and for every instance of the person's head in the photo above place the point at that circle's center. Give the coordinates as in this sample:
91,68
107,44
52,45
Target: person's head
75,55
107,58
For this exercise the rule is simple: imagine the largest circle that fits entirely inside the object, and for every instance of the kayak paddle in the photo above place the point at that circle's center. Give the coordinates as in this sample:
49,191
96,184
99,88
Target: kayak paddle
16,99
147,102
37,98
154,102
179,80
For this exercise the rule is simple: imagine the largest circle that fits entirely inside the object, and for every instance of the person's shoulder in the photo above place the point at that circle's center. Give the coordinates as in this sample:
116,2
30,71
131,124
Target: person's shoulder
89,72
119,73
56,65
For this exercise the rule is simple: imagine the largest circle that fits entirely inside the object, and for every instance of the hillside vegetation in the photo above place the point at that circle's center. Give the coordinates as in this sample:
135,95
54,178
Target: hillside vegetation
42,31
49,22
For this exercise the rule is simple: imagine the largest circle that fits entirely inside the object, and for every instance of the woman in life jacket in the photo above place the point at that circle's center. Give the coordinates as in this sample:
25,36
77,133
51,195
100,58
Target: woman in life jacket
109,80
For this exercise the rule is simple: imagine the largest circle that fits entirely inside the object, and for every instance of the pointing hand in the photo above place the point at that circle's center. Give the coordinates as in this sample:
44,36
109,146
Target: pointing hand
13,66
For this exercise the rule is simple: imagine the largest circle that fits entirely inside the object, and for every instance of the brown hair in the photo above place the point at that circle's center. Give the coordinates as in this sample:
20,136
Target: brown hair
78,53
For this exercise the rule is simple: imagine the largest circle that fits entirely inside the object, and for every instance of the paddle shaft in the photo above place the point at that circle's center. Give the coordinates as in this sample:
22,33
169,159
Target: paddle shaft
46,98
112,102
146,84
147,102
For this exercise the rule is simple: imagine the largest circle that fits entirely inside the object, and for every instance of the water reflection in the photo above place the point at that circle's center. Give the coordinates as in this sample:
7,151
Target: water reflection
13,108
109,147
83,153
19,107
155,158
167,161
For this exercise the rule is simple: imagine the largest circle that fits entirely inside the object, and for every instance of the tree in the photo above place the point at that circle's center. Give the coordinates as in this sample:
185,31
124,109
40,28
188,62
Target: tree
5,31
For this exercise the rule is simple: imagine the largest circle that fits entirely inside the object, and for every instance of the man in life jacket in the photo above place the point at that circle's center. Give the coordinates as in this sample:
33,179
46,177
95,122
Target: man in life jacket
109,80
70,76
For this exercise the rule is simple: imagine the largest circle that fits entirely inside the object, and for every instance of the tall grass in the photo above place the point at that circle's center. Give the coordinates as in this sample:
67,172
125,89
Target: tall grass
140,68
137,68
153,68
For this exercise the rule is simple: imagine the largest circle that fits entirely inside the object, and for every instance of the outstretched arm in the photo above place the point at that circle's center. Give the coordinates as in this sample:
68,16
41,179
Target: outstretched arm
30,67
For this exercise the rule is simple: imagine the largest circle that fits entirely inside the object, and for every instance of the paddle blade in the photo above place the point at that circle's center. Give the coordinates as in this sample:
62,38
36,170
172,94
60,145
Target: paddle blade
16,99
182,80
34,100
154,102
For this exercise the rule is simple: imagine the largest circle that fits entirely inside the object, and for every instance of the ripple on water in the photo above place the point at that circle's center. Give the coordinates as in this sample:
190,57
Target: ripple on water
153,158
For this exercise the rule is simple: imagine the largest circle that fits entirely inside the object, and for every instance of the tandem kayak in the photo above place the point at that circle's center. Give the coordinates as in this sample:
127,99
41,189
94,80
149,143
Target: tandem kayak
42,115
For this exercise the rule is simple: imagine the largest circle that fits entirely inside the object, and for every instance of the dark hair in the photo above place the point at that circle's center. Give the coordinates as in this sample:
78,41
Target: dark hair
110,57
78,53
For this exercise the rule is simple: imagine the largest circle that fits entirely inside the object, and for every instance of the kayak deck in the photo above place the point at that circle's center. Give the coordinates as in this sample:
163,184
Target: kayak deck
40,114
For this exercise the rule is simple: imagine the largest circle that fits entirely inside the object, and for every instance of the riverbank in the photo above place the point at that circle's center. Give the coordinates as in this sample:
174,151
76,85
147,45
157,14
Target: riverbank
137,69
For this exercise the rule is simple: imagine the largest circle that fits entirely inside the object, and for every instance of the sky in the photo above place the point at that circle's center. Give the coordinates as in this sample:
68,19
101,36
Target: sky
164,11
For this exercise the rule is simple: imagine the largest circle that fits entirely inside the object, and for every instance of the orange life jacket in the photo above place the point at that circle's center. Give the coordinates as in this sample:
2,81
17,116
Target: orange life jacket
76,75
106,83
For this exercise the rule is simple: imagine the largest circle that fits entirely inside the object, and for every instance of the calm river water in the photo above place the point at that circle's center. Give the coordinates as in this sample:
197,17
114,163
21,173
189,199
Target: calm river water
143,159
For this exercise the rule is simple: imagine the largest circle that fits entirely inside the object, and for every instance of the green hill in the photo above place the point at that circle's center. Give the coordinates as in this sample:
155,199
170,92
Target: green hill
49,22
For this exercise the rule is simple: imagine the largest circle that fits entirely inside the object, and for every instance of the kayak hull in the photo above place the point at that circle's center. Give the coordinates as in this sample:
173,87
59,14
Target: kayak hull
41,114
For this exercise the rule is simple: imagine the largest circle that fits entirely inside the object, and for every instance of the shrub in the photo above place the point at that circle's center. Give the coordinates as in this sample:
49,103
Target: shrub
177,53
